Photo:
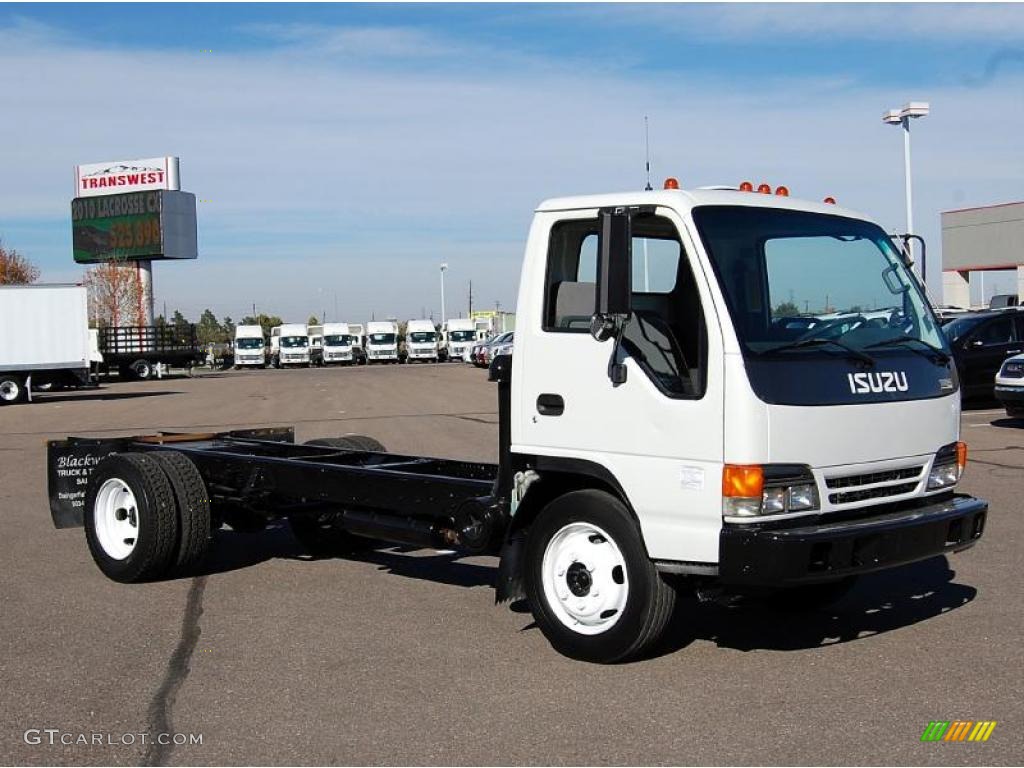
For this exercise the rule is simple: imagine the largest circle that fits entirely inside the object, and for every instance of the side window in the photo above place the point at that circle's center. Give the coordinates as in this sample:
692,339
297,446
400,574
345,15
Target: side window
997,332
666,335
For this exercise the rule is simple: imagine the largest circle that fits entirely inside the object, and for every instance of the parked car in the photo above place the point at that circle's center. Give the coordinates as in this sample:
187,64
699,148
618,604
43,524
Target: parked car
501,358
1010,386
981,342
486,349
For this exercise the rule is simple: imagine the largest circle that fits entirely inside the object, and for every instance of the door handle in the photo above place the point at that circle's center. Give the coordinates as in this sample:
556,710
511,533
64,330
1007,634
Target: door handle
550,405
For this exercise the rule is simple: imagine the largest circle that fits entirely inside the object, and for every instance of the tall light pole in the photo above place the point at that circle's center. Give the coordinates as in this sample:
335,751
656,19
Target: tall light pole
902,117
444,267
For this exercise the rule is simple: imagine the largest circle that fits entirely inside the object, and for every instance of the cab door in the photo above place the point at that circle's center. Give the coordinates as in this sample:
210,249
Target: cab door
659,434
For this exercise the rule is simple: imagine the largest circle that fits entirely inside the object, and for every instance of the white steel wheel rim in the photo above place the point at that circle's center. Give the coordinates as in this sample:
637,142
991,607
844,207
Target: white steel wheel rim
116,518
9,390
584,577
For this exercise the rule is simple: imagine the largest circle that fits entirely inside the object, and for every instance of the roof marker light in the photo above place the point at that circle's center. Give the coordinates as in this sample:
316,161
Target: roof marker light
764,189
746,186
671,183
782,191
830,200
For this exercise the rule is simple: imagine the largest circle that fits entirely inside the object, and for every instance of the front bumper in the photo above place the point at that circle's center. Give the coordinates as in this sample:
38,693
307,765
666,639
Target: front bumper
785,556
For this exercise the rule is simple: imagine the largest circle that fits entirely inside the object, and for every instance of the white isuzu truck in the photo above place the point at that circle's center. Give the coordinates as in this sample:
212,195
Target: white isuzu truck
337,344
382,341
292,345
250,347
673,432
460,334
421,341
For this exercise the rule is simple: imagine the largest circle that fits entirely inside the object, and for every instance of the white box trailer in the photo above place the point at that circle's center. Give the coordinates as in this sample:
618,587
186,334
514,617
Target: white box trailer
44,338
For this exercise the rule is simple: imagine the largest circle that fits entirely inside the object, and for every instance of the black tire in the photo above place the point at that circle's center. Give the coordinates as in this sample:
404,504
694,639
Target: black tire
649,600
142,370
809,597
350,443
193,505
1015,413
12,389
154,549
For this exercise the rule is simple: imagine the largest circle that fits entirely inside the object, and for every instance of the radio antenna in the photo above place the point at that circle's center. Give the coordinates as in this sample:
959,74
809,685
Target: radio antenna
647,154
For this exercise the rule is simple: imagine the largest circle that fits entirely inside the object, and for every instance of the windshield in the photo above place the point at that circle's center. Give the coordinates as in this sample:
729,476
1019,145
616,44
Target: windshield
293,342
249,343
338,341
461,335
422,337
805,287
382,338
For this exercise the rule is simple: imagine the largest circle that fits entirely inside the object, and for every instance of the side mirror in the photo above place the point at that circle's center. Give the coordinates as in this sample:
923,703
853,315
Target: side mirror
615,263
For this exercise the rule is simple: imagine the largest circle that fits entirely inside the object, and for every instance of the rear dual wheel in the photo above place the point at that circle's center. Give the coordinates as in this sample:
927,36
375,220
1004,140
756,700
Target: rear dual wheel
146,515
594,592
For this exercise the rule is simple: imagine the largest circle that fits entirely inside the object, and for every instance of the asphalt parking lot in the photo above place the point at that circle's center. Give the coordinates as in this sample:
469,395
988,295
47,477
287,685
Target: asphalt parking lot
402,657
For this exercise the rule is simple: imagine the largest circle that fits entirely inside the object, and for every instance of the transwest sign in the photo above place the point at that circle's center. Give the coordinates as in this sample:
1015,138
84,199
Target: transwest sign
126,176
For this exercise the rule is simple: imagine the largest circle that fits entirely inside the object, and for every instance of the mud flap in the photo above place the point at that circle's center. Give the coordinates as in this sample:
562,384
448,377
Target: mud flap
510,570
69,463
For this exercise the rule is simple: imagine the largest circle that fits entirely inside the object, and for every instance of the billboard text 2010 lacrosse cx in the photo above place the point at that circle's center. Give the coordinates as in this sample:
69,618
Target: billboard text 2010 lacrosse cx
716,389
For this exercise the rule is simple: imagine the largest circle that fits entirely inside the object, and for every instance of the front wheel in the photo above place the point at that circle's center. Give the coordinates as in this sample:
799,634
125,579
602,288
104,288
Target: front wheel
594,592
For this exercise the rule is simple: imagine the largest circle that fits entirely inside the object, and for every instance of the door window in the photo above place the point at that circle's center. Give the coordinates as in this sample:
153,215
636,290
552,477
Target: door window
997,332
666,334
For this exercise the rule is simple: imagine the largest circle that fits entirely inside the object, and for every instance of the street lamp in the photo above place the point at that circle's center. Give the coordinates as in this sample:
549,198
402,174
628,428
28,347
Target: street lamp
902,117
444,266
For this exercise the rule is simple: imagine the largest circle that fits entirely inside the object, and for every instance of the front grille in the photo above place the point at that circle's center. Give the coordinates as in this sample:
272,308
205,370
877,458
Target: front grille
848,497
890,476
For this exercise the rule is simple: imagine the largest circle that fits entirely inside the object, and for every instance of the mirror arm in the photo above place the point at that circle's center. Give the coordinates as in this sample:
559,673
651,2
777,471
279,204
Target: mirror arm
617,370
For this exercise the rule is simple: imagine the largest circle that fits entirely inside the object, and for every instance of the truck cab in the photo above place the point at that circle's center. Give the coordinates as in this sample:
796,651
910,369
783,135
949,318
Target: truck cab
382,341
337,344
250,347
293,345
421,341
460,335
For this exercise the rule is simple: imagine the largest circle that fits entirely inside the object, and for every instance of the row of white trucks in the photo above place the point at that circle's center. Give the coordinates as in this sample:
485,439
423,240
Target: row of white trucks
299,345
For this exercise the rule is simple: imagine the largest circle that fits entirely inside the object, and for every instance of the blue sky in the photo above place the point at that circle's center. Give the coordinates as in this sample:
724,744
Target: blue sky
346,149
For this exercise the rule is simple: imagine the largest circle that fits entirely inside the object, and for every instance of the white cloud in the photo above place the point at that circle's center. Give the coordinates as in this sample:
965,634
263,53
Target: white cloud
328,174
823,22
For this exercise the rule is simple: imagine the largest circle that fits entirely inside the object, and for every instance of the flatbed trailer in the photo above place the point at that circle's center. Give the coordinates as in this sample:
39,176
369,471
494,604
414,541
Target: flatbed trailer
134,351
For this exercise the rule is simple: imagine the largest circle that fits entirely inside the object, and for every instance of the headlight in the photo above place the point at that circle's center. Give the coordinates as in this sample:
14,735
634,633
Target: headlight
947,467
774,489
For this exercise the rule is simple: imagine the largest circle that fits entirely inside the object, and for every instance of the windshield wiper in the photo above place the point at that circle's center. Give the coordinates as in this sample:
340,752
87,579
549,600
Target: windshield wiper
856,354
933,353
